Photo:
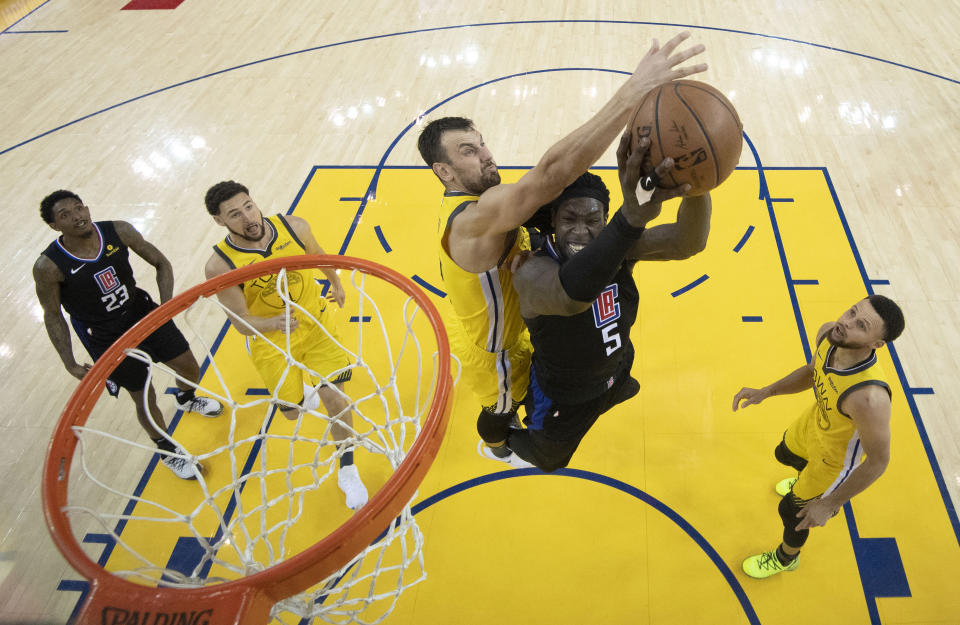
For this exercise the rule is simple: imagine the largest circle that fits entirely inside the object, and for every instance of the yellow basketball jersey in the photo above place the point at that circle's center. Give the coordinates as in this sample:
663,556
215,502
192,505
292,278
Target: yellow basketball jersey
261,293
835,432
485,304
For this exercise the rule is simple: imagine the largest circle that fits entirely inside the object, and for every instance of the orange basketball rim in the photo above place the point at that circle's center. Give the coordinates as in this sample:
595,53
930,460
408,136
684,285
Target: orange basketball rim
247,601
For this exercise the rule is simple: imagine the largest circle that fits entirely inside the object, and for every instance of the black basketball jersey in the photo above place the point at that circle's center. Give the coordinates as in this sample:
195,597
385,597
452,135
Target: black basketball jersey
576,358
101,290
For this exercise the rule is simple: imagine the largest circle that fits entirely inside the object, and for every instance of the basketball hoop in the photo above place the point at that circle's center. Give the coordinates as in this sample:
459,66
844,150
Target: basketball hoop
258,586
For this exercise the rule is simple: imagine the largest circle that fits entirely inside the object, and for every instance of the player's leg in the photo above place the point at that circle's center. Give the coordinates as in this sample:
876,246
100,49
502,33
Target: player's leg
151,420
500,381
792,450
322,354
168,345
348,477
812,481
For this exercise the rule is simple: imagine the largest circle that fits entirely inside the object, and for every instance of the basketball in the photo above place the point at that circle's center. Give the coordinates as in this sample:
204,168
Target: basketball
694,124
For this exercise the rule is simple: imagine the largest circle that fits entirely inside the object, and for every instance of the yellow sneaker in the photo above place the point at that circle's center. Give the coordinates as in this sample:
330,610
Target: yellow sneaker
766,564
783,486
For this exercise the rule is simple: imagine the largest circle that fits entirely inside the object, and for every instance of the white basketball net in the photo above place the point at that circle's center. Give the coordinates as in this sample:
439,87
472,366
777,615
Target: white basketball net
269,487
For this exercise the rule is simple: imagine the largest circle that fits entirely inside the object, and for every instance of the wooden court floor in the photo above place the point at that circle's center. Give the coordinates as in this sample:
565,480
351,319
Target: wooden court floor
846,186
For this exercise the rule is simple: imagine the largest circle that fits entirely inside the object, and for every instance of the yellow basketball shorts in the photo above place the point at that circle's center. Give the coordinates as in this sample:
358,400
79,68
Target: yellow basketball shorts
498,379
311,348
823,474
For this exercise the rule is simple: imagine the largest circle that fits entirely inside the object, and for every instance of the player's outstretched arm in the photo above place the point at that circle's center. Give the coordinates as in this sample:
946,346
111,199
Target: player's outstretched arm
796,382
505,207
869,407
310,246
233,300
132,238
680,240
47,278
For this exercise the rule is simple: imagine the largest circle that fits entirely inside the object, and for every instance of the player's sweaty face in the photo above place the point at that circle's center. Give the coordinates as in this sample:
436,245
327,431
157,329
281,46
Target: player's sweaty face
577,222
242,217
471,160
72,218
859,326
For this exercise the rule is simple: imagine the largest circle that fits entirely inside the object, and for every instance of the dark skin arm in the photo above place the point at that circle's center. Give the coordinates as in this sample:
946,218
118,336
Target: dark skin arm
677,241
132,238
47,278
537,278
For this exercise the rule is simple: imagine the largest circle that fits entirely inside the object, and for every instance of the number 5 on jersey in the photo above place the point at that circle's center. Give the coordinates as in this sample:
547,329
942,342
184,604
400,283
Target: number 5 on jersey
606,311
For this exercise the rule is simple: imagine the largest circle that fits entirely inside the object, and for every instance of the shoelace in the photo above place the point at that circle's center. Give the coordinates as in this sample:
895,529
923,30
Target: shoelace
767,561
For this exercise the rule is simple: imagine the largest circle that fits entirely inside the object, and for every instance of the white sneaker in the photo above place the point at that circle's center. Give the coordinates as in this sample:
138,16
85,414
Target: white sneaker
512,459
348,479
184,468
201,405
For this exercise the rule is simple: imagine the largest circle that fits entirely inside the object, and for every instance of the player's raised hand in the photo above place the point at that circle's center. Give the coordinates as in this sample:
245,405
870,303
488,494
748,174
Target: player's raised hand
660,65
630,169
749,396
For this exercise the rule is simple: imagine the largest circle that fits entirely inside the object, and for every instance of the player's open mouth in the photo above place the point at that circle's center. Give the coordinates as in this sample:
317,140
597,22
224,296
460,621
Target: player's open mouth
576,247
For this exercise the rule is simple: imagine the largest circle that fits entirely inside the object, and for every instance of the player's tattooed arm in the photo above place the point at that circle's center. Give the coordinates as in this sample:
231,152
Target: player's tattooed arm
47,278
132,238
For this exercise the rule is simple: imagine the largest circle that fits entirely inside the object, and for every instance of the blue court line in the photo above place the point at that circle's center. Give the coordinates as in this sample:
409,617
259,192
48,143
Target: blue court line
427,286
765,195
151,466
920,390
458,26
887,282
351,199
633,491
604,480
356,319
782,199
743,239
303,188
890,580
892,348
684,289
5,30
805,282
31,32
75,585
753,319
383,240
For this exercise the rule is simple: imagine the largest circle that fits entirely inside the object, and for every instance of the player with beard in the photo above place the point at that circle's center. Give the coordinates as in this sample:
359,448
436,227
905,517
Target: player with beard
827,443
87,272
479,233
579,300
258,313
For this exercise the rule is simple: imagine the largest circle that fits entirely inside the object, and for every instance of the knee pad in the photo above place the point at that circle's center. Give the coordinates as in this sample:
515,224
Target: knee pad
789,506
784,456
494,427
